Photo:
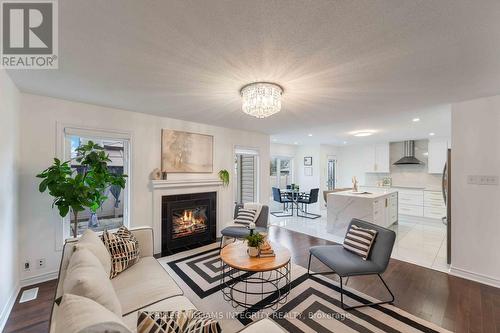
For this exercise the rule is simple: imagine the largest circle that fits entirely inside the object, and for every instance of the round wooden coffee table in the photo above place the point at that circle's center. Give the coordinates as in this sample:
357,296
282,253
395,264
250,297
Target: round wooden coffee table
255,282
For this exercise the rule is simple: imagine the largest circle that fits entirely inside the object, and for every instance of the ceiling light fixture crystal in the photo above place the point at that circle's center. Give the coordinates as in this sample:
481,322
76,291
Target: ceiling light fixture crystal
261,99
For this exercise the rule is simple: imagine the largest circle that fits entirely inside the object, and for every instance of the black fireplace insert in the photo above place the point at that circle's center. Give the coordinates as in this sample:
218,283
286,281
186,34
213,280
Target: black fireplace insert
188,221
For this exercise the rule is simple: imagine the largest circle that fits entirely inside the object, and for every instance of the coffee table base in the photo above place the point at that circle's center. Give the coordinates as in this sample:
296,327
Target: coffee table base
244,289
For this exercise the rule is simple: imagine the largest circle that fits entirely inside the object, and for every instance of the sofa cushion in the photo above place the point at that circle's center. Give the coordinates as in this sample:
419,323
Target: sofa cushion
124,249
94,244
176,303
78,314
186,321
143,284
86,277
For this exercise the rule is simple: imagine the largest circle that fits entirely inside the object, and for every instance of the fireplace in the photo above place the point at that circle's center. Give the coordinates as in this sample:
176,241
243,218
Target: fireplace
188,221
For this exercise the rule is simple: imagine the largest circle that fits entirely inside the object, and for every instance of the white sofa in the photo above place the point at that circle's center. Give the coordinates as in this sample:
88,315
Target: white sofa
146,286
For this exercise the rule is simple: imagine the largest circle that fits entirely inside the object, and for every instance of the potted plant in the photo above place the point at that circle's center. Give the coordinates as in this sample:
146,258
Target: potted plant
254,241
224,176
76,190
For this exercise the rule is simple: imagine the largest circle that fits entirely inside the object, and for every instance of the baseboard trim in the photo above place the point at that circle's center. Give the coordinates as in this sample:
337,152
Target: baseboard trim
39,279
484,279
4,315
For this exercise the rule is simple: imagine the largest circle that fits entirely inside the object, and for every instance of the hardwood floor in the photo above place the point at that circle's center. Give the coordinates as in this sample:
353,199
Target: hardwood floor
453,303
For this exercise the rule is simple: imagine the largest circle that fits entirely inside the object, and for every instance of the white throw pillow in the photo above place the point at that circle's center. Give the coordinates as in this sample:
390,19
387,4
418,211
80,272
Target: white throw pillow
93,242
86,277
78,314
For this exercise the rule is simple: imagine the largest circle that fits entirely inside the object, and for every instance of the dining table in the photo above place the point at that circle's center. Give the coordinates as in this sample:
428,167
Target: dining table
294,195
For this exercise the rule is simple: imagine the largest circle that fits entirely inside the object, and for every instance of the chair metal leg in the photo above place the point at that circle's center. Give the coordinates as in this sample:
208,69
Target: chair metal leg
282,214
368,304
221,242
309,264
308,215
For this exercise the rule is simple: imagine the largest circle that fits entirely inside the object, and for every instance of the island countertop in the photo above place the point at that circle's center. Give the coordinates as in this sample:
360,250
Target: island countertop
365,194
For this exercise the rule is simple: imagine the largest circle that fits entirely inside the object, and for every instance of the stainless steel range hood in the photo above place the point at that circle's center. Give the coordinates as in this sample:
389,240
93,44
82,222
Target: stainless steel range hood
408,154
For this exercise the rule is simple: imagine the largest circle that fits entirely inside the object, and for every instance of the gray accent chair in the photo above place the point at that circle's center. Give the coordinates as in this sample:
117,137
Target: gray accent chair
238,232
346,264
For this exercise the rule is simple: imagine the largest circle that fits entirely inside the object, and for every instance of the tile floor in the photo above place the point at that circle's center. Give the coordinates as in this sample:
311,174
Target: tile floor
419,241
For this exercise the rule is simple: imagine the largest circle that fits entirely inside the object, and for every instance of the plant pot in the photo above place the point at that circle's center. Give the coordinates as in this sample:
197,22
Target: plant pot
93,222
253,251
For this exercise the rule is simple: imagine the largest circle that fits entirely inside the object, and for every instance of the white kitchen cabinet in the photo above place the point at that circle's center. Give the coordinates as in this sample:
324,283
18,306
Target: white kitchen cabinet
411,202
378,159
437,155
434,206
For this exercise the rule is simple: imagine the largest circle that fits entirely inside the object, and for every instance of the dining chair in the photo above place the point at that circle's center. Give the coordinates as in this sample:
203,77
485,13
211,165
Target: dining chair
308,199
282,199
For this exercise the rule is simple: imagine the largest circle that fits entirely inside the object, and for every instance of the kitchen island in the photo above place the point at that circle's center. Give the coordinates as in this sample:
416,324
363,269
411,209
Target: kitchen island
380,207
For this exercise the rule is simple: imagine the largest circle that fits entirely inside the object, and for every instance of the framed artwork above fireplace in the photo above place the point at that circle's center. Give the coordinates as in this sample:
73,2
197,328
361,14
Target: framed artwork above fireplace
184,152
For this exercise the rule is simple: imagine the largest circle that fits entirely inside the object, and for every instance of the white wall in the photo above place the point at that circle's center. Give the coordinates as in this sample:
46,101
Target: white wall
352,161
283,150
476,209
39,117
9,269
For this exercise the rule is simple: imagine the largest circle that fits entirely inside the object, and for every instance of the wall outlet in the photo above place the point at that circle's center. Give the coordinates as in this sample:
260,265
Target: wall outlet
27,266
41,263
482,180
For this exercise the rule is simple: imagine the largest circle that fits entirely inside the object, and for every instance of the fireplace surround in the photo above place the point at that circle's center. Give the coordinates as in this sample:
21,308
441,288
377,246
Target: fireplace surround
188,221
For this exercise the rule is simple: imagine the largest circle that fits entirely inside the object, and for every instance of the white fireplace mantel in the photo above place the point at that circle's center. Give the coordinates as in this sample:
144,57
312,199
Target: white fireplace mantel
172,187
159,184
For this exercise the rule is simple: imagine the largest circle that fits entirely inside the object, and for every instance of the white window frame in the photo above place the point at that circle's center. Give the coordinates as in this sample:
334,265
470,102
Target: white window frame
247,151
62,230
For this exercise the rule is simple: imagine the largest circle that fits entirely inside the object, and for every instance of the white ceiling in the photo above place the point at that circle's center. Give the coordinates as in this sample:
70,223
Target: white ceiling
344,65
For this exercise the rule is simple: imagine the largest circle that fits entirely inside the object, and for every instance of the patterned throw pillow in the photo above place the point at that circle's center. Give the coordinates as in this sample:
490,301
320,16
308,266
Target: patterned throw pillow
189,321
124,249
245,216
359,241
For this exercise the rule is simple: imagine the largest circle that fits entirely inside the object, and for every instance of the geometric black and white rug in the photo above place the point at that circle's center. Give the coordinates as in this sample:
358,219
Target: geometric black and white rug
313,304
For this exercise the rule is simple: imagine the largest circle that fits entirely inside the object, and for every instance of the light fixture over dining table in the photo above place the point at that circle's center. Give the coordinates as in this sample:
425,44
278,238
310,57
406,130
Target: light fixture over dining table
261,99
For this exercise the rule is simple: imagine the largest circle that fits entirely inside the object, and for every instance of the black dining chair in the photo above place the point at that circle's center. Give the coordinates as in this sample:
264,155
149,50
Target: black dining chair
282,199
308,199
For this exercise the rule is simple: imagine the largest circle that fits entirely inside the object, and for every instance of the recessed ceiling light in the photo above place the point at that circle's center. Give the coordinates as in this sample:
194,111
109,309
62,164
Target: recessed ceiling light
309,134
432,134
416,120
295,143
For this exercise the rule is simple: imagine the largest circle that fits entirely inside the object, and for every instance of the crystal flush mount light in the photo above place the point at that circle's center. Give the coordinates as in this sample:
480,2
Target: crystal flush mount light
261,99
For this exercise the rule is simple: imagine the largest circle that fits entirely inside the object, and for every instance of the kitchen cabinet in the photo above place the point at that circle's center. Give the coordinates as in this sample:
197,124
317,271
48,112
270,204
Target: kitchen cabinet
437,155
434,206
378,158
411,202
385,210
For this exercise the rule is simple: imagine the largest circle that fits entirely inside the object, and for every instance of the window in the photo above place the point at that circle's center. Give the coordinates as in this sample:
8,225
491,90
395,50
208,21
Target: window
246,172
114,211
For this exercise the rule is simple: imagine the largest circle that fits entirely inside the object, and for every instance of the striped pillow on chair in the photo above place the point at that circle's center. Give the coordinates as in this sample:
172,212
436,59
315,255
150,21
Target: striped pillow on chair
245,216
359,241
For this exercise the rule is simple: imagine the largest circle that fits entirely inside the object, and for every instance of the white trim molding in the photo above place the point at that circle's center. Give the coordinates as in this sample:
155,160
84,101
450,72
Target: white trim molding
484,279
172,187
159,184
4,315
39,278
